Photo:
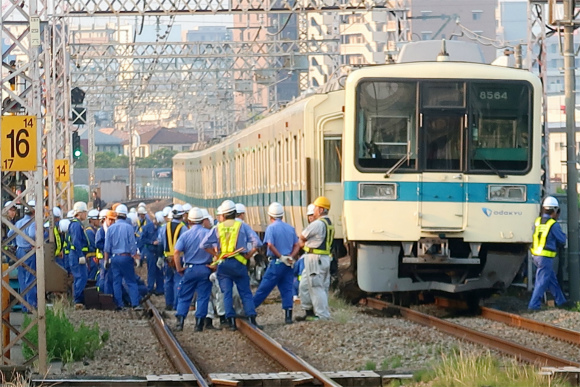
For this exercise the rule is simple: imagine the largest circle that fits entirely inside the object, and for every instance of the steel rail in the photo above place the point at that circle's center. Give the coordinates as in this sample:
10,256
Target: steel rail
507,347
282,355
514,320
176,354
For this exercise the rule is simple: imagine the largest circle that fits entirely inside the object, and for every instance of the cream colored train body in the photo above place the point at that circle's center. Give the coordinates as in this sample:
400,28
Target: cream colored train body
281,159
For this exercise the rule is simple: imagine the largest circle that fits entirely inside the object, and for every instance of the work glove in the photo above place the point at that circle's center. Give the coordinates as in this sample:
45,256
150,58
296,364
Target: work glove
213,277
160,263
137,262
107,264
82,261
287,260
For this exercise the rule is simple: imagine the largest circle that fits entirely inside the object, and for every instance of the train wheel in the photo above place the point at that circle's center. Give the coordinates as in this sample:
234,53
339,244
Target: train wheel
347,282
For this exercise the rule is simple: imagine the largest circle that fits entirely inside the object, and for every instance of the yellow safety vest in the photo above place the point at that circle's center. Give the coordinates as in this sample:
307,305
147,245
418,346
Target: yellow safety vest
539,238
91,254
58,241
228,233
171,236
327,242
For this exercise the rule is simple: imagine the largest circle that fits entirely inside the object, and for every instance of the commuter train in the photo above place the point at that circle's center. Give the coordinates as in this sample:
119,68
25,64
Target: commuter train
432,168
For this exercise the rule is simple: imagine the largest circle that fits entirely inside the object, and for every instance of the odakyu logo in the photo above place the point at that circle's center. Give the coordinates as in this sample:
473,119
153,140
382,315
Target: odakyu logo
489,212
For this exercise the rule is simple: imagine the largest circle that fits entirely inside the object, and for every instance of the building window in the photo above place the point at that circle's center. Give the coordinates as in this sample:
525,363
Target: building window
476,14
332,159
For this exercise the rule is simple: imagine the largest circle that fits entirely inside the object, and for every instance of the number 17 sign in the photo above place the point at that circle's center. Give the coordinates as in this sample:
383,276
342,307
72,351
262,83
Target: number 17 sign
18,151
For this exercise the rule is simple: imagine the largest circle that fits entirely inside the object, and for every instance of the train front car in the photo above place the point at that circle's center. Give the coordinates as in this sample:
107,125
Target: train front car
441,175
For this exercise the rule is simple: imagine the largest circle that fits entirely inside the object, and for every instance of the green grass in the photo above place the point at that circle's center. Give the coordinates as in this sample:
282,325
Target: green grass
392,362
476,370
370,366
64,341
341,311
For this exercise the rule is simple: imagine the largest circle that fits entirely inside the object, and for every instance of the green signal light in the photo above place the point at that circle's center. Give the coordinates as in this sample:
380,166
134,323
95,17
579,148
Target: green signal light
78,153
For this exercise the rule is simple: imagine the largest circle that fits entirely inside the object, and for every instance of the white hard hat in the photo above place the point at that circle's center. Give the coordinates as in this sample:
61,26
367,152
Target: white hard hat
219,211
310,209
121,209
63,225
80,207
32,203
276,210
56,212
550,202
228,206
142,204
159,217
93,214
46,224
103,213
240,208
166,211
178,210
187,207
141,210
206,214
195,215
133,210
8,203
70,214
132,216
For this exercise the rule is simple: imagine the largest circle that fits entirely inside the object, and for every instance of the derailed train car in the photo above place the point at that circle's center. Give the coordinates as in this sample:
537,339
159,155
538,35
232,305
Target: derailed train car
433,170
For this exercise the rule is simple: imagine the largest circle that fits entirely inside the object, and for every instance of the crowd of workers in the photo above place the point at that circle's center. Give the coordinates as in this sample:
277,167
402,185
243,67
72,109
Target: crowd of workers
187,253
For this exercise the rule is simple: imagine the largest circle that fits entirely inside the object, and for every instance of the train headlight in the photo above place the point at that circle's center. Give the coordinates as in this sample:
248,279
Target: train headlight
377,191
506,193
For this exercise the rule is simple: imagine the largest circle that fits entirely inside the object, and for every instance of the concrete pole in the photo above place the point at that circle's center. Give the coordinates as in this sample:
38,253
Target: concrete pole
572,171
91,152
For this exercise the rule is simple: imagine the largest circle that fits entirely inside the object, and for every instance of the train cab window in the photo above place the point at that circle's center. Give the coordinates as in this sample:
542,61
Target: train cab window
386,128
500,127
332,159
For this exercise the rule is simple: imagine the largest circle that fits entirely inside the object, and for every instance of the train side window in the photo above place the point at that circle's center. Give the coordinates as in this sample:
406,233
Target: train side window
386,124
332,159
500,127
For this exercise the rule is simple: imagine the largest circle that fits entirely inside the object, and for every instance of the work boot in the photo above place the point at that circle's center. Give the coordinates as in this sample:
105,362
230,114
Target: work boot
180,322
199,324
252,320
224,323
233,324
309,313
209,323
288,319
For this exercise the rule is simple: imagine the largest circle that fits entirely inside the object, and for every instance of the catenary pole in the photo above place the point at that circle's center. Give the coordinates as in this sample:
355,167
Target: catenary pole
572,171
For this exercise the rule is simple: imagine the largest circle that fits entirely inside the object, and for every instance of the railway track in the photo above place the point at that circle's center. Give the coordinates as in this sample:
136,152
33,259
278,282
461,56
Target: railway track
507,347
183,364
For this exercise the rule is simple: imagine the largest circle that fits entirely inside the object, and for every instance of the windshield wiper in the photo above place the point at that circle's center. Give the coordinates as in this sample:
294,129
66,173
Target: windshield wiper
397,165
494,169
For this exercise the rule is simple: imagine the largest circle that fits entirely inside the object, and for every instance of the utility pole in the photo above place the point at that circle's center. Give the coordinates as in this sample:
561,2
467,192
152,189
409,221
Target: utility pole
91,153
572,171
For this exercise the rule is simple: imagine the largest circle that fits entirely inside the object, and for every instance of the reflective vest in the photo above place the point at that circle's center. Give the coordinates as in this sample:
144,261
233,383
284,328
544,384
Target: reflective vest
91,254
171,235
71,246
539,239
228,233
326,245
140,227
58,241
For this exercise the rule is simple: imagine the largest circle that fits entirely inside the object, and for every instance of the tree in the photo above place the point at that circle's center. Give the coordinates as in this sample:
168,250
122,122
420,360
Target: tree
161,158
111,160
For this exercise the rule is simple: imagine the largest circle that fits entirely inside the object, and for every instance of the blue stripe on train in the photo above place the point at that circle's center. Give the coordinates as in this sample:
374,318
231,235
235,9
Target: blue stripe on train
286,198
442,192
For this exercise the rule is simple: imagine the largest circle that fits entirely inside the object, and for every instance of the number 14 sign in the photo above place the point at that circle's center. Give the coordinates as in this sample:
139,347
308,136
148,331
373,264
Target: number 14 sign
18,151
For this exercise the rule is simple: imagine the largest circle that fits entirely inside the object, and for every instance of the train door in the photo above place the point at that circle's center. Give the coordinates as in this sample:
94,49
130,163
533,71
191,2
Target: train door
332,169
442,181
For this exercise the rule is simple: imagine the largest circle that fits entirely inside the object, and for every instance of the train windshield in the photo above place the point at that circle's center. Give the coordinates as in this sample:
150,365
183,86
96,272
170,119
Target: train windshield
460,126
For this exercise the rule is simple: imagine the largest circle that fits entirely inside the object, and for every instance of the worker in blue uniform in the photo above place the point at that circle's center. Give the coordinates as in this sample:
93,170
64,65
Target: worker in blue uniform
147,244
120,252
23,247
105,277
228,243
195,269
79,247
548,237
91,256
173,231
283,247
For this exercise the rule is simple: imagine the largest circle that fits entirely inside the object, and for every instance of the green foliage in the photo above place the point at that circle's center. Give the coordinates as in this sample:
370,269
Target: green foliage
63,340
82,162
111,160
81,195
392,362
370,366
161,158
342,311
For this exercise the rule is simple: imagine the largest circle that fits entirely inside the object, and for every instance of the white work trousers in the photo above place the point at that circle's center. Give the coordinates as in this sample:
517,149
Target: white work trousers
216,302
314,285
